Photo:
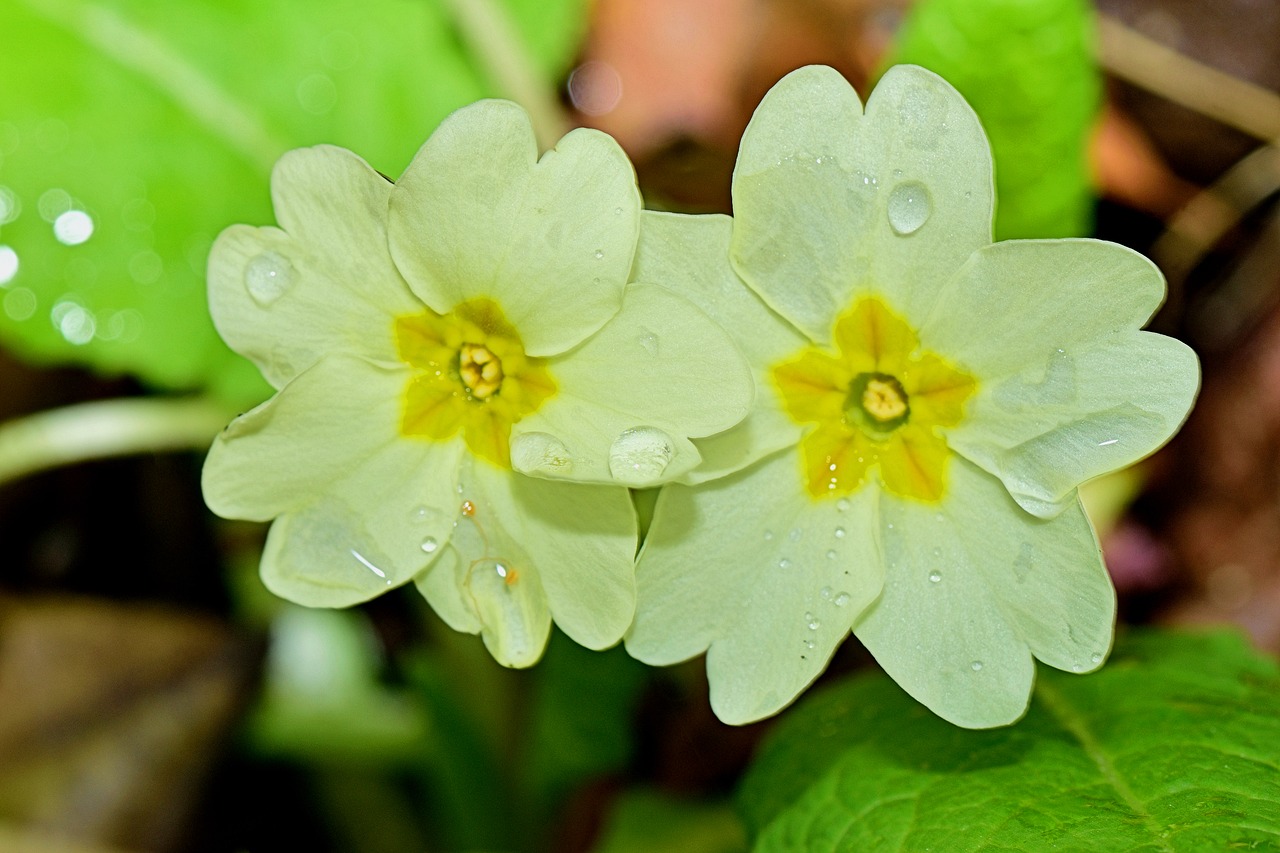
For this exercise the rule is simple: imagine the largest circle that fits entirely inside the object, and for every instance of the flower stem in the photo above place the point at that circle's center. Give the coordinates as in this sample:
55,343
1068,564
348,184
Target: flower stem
492,38
109,428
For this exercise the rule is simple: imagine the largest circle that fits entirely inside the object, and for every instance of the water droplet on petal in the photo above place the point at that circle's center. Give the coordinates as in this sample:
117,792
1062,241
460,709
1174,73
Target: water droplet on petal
909,207
841,600
795,534
809,644
976,666
511,607
268,276
364,561
825,593
840,533
599,254
831,555
540,452
935,577
784,563
640,455
649,341
842,505
1096,657
430,544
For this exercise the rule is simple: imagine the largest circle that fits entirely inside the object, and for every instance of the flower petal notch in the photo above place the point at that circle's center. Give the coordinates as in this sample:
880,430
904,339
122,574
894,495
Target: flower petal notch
431,340
944,398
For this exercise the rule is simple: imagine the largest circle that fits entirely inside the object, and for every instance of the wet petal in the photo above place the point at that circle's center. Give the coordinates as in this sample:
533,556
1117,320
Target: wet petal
284,298
1078,414
477,214
752,569
690,255
973,587
630,397
830,203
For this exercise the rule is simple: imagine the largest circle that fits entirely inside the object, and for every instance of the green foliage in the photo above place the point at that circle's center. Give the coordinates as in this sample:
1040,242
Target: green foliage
1174,746
1027,68
643,821
162,122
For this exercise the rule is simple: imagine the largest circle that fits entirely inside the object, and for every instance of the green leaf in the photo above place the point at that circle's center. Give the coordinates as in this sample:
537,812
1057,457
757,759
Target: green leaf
582,710
643,821
1027,68
1174,746
161,121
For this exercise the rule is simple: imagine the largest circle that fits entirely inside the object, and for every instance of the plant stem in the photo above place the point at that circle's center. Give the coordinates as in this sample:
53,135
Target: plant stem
492,38
109,428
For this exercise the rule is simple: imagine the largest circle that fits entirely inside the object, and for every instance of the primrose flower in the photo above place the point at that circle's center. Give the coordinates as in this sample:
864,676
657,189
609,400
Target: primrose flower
928,404
430,340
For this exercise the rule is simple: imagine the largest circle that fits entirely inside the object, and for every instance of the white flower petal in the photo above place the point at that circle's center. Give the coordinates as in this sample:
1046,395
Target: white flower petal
477,214
690,255
629,398
360,508
973,586
283,298
1078,414
753,569
829,203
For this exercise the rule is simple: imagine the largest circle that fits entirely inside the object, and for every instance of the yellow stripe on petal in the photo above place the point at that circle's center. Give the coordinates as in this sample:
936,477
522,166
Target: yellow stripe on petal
471,375
937,390
813,387
914,464
873,338
836,460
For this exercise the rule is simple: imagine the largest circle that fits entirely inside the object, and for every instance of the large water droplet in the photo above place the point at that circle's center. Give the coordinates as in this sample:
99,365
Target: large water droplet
430,544
841,600
268,276
540,452
935,577
640,455
909,207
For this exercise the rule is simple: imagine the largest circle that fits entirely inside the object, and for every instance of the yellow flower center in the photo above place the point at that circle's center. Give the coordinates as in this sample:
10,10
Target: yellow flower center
471,376
880,404
480,370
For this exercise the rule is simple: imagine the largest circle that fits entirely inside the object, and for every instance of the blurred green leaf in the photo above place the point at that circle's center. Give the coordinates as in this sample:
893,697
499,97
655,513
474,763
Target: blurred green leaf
1027,68
644,821
583,712
161,122
1174,746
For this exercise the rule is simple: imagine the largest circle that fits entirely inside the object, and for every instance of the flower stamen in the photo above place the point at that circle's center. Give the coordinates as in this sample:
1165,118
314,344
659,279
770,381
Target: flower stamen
480,370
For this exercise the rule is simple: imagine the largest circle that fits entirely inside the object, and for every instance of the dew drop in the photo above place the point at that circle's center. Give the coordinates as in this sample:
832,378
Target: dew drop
935,577
976,666
649,341
639,456
841,600
599,254
840,533
812,621
268,276
809,644
831,555
795,534
540,452
842,505
784,563
825,593
1095,657
430,544
909,207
